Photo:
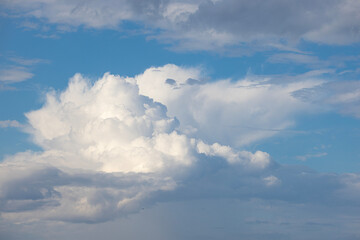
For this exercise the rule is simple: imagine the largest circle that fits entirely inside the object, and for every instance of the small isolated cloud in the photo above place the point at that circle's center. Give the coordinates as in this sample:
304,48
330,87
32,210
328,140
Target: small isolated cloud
15,74
17,69
309,156
271,180
115,146
10,123
27,62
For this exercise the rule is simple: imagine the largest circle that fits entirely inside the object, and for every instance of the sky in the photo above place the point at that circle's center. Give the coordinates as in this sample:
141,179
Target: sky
178,119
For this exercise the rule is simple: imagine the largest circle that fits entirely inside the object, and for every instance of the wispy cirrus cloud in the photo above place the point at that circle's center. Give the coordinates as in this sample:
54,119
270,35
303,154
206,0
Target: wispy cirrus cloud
311,61
342,96
309,156
17,69
297,58
14,74
27,62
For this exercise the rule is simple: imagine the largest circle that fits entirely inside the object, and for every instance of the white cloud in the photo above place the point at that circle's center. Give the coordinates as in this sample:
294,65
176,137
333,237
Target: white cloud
111,121
106,151
315,155
27,62
258,159
271,180
18,70
14,74
231,113
109,150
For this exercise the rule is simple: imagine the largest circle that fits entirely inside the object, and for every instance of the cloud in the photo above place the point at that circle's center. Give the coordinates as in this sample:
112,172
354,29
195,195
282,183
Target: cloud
94,14
112,148
292,20
210,25
15,74
27,62
10,123
17,69
103,133
341,63
224,111
343,96
307,156
297,58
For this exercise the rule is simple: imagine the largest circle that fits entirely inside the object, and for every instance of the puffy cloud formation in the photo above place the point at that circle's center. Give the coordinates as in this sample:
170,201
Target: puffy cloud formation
117,145
232,113
209,25
109,120
106,148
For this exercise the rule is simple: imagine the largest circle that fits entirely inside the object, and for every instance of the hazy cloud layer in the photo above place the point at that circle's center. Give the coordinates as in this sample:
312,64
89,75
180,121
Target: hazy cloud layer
209,25
116,146
342,96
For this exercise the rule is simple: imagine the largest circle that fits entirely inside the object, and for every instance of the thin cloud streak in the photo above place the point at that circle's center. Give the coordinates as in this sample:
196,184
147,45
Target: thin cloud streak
14,74
10,123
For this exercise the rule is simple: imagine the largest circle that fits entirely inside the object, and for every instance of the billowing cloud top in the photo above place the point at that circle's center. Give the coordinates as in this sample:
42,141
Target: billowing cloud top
110,148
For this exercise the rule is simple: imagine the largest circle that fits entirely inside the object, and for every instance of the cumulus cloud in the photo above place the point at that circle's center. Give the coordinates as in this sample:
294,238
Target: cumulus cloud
117,145
231,113
210,25
103,133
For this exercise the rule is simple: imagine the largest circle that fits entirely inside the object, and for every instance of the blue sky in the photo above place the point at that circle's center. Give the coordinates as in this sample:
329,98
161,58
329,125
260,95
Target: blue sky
244,103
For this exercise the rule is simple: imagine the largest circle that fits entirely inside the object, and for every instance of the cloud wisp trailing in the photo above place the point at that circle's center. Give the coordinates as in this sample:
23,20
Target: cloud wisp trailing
15,74
10,123
232,113
343,96
114,146
17,69
209,25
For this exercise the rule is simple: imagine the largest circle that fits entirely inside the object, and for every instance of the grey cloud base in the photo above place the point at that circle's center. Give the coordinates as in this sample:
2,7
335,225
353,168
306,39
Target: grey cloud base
52,194
209,25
